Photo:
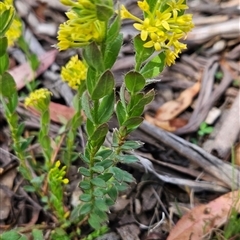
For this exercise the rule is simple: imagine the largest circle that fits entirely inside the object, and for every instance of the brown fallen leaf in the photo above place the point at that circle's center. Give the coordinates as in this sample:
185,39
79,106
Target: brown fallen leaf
24,74
58,113
202,219
237,154
173,108
170,125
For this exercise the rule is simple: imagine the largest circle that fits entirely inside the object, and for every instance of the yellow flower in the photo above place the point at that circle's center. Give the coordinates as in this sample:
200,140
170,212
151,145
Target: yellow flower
11,26
170,57
65,181
14,32
82,26
74,72
57,164
177,6
143,6
162,19
126,14
39,99
161,27
145,28
75,33
156,41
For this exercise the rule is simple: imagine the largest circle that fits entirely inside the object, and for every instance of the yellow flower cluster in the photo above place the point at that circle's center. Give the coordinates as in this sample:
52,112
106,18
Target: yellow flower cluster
39,99
14,32
15,29
74,72
163,26
82,26
56,174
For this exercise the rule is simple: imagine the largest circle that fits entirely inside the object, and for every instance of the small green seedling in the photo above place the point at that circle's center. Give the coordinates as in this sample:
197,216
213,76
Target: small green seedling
204,129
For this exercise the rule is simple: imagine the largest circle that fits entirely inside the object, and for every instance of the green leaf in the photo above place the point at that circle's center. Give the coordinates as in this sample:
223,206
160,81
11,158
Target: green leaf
104,12
112,51
98,169
3,46
13,119
142,53
93,57
94,221
84,171
13,102
109,202
148,97
155,66
84,158
104,85
121,186
101,214
37,180
106,108
59,234
137,110
134,81
20,129
86,105
121,175
33,58
29,188
113,30
45,118
10,235
120,112
101,205
105,163
135,99
37,234
4,63
105,153
113,193
105,176
139,101
129,145
127,159
45,142
85,208
23,238
98,192
133,122
98,182
7,85
85,185
6,20
100,132
91,80
89,127
85,197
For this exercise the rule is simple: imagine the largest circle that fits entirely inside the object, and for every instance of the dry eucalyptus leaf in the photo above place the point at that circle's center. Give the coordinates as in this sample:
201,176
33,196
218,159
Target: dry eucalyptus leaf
203,219
24,74
173,108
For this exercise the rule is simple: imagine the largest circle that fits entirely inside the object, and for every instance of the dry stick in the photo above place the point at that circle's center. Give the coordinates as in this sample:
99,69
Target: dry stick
202,34
200,113
229,131
211,164
204,95
195,185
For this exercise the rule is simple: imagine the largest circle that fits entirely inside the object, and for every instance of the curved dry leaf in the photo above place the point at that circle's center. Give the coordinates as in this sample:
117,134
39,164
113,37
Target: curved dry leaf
202,219
170,126
171,109
23,74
